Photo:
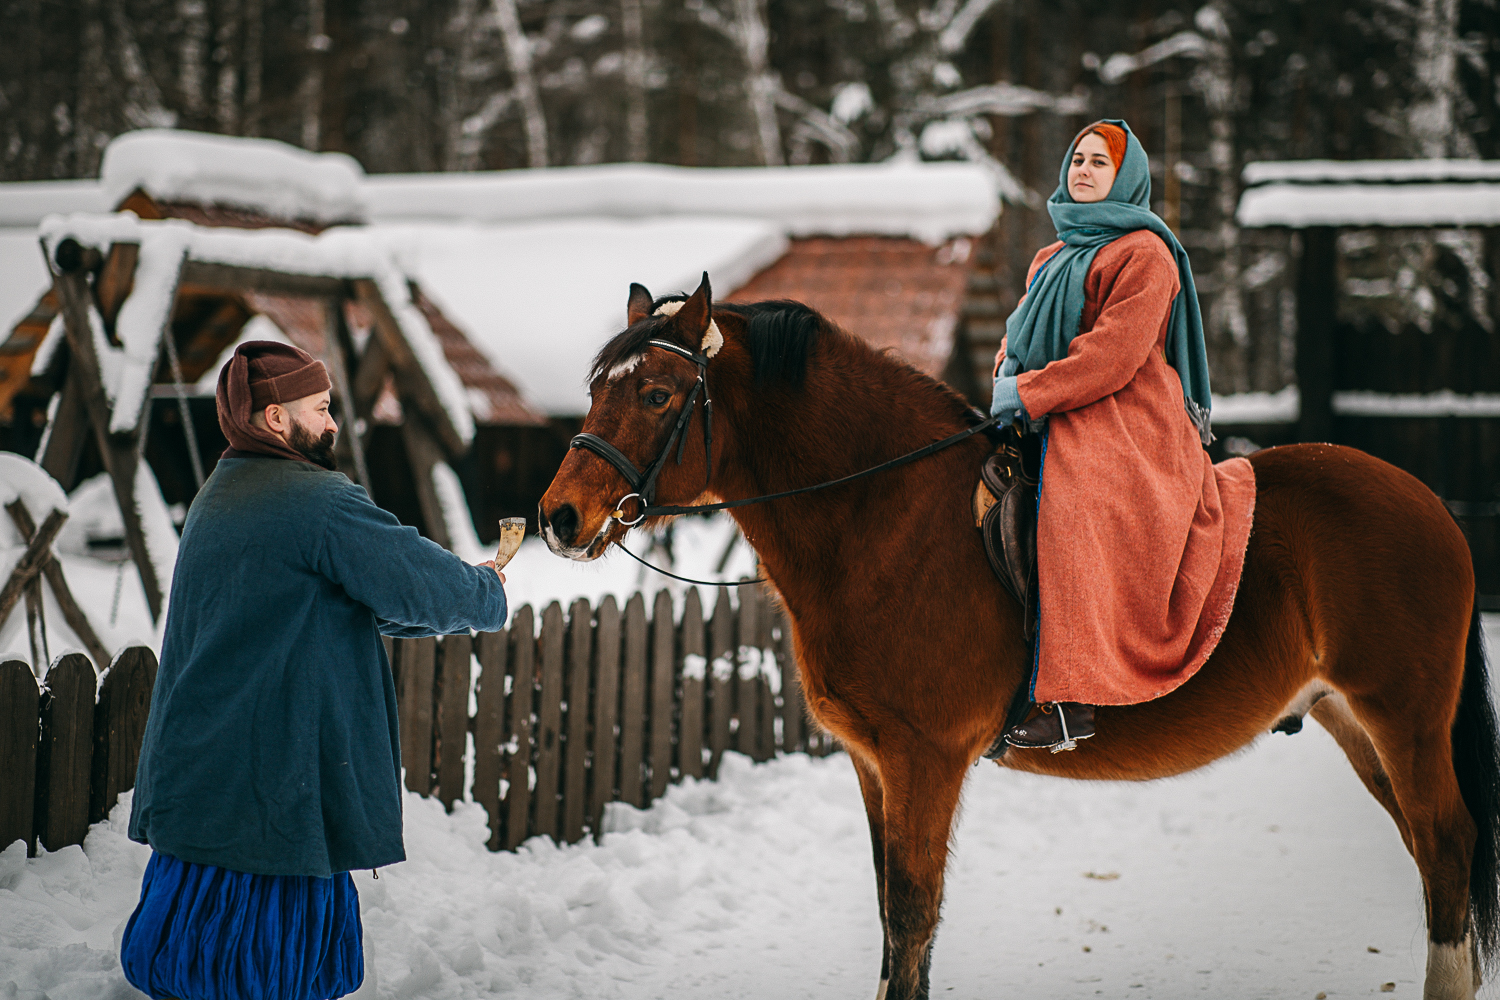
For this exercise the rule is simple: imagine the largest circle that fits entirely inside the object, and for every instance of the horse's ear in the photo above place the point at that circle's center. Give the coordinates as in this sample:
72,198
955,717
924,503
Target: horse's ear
639,306
694,316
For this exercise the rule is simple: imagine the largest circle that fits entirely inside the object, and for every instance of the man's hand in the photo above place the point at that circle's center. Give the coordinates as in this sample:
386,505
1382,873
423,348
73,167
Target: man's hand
491,564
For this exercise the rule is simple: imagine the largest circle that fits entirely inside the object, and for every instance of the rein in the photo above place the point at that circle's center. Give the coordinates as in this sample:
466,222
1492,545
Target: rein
644,483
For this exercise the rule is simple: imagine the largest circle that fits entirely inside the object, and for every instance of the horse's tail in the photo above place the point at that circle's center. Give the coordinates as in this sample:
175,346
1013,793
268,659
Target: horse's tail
1476,763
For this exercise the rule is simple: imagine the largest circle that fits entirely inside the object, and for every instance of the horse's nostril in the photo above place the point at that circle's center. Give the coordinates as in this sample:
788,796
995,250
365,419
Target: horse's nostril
565,524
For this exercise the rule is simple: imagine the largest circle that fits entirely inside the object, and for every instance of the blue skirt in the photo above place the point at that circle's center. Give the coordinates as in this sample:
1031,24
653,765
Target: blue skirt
207,933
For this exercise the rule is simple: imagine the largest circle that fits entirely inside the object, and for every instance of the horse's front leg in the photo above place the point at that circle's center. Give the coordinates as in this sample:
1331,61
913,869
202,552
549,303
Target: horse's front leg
920,786
869,787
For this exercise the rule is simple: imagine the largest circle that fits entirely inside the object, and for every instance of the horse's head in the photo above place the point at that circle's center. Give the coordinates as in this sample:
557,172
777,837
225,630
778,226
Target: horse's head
649,407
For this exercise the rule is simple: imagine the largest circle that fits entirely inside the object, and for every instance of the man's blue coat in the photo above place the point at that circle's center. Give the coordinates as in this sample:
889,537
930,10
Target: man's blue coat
272,745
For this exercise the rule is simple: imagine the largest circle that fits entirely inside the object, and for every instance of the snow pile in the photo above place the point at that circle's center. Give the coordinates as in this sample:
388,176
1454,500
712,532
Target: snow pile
342,252
540,299
25,203
1272,874
926,201
1371,193
260,175
1281,407
1369,171
1443,403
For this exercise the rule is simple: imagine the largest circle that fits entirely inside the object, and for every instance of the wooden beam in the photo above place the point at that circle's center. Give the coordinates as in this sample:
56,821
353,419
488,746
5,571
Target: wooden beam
422,454
200,277
412,383
1317,312
52,572
38,551
369,378
348,449
68,434
115,282
118,451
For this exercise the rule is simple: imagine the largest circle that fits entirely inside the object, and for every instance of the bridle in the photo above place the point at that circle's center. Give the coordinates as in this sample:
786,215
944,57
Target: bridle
643,484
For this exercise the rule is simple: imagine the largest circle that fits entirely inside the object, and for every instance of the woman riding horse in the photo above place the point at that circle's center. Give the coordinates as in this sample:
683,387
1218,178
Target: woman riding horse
1140,538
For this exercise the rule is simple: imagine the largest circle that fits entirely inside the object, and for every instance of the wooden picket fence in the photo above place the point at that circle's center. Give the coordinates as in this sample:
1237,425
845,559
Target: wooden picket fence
596,706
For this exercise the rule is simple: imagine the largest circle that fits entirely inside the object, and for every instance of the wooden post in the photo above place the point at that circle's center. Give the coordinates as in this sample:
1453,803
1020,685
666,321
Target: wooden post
663,690
68,434
606,713
118,451
1317,312
522,694
416,657
29,566
575,773
349,449
549,724
412,384
765,740
747,662
720,678
119,727
694,670
633,704
18,745
65,753
52,572
793,725
489,727
422,455
450,736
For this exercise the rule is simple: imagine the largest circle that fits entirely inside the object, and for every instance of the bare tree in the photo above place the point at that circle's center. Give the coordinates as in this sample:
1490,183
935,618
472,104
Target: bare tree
193,15
637,136
746,29
318,43
518,53
226,108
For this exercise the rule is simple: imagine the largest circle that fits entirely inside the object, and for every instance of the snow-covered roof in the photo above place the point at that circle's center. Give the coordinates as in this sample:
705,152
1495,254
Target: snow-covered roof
927,201
1307,193
342,252
261,175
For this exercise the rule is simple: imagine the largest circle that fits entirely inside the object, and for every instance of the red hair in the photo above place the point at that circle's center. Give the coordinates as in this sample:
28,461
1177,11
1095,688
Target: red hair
1114,140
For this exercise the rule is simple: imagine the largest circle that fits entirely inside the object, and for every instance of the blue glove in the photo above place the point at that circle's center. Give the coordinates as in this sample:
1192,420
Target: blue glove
1007,399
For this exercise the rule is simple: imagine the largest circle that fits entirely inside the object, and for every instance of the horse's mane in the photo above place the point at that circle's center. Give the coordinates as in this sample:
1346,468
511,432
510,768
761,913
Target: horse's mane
781,336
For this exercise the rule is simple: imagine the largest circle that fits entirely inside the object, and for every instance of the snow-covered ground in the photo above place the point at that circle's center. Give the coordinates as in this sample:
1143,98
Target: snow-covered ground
1272,874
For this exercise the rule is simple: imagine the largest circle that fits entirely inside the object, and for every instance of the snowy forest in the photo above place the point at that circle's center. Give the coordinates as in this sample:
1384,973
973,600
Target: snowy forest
495,84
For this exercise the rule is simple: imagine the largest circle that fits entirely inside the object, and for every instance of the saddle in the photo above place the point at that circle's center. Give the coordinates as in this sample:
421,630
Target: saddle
1005,514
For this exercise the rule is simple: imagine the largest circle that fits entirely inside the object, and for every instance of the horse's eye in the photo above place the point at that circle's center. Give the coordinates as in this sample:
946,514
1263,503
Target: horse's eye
658,398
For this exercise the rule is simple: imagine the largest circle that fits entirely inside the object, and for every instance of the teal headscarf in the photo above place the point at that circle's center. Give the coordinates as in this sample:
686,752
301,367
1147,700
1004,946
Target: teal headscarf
1040,330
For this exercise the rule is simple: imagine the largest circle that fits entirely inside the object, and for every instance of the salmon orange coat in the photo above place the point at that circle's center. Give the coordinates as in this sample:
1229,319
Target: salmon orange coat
1141,538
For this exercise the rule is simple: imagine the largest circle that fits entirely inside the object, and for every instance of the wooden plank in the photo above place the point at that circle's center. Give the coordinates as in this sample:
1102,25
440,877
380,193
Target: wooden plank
747,660
53,573
29,566
606,713
412,383
203,277
119,452
349,450
422,454
793,721
549,723
663,693
720,679
766,683
493,649
68,434
522,700
19,716
115,282
369,378
416,657
119,727
451,735
576,749
694,665
633,704
65,753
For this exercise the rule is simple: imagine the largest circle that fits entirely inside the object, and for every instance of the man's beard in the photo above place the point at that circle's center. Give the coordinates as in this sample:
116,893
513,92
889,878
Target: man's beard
317,450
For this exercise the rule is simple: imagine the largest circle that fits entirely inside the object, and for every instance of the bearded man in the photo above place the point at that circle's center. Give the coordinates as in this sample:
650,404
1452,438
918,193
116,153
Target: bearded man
271,765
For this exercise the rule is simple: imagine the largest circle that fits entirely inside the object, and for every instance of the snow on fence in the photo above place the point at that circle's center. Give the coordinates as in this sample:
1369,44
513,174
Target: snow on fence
597,706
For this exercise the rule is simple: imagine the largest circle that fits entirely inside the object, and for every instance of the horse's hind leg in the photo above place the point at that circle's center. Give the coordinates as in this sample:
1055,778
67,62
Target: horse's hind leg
1414,744
869,787
1332,713
921,784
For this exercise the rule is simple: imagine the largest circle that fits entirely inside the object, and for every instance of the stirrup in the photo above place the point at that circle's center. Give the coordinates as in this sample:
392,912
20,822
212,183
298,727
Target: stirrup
1068,743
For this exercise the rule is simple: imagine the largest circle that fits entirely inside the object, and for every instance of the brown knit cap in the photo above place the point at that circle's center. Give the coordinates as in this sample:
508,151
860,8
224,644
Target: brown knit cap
280,373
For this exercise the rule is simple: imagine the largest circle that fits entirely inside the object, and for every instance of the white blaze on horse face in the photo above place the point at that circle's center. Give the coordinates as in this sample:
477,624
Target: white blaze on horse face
625,367
1450,971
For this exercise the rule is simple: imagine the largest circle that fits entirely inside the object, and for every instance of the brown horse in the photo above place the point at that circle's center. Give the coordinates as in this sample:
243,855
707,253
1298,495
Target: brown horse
1356,606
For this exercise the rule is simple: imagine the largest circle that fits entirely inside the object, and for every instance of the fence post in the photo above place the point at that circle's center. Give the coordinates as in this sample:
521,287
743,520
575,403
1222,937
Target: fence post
606,712
721,673
65,753
694,668
450,736
633,703
522,692
746,659
549,724
575,774
19,718
489,727
793,725
416,657
119,727
663,692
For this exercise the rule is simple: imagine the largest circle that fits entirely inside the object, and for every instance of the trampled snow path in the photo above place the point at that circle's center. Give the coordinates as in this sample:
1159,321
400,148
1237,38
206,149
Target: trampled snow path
1270,875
